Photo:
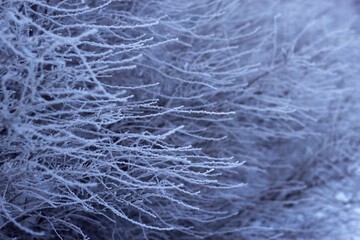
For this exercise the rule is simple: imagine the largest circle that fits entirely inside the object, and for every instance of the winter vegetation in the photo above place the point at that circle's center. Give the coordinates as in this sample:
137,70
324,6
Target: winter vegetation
165,119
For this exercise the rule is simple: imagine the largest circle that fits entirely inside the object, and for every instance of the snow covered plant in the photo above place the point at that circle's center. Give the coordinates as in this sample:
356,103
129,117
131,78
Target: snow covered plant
91,144
166,119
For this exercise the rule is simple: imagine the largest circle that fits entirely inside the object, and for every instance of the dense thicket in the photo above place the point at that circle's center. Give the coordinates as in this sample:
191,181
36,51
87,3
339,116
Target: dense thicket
162,119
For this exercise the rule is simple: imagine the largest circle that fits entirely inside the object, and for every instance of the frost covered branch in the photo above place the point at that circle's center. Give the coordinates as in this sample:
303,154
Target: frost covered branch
173,119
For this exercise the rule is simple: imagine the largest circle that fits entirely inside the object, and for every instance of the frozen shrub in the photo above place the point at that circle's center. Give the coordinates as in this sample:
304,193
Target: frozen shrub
89,148
144,119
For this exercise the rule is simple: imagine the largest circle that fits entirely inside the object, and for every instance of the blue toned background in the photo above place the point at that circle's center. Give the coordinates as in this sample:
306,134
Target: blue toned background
162,119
